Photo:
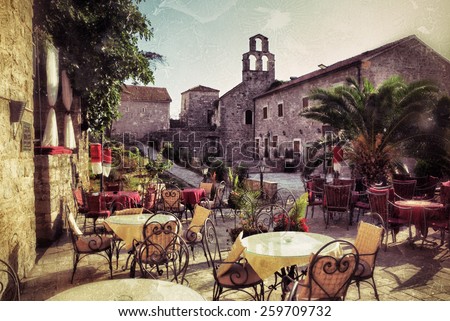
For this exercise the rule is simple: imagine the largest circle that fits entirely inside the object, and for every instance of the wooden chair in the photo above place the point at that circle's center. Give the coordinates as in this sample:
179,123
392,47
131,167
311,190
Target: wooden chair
231,273
9,283
88,244
368,241
327,277
337,202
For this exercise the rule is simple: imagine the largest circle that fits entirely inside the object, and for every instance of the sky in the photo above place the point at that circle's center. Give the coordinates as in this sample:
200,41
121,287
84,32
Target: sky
202,41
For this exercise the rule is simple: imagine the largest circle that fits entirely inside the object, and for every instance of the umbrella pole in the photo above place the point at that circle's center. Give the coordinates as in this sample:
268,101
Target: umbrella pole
101,174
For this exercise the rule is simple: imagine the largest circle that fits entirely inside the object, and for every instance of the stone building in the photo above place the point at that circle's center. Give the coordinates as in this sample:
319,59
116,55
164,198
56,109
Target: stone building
144,109
35,181
235,114
198,107
17,201
278,126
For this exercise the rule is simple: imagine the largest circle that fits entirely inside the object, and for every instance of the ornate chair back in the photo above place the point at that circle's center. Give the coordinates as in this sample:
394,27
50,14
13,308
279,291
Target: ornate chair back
163,252
328,277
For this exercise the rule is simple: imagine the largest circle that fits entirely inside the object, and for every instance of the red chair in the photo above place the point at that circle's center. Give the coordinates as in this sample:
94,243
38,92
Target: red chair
96,209
314,188
380,204
404,189
436,219
337,201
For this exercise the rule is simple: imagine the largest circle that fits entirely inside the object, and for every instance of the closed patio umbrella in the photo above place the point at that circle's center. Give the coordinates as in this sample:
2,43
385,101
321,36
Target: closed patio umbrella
50,137
69,134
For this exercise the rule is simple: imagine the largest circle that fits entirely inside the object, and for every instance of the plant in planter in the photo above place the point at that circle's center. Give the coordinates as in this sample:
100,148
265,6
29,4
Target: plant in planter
295,221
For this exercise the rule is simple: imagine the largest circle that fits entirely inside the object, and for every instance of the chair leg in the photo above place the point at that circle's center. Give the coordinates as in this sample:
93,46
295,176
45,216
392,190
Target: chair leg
359,289
374,285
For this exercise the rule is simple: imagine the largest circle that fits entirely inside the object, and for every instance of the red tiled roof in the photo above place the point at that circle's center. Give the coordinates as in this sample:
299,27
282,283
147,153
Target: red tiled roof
144,93
339,65
201,88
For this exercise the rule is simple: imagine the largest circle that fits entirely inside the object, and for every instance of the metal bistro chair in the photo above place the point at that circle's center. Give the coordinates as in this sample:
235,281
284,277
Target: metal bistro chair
232,273
9,283
380,204
368,241
163,251
173,201
85,245
217,203
328,277
194,233
337,202
315,187
404,189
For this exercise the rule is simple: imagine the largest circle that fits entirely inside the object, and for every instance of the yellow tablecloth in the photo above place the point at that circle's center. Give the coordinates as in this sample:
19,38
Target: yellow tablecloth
130,227
267,253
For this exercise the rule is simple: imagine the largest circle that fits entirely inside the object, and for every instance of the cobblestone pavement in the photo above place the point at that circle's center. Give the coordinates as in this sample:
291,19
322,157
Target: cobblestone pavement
403,273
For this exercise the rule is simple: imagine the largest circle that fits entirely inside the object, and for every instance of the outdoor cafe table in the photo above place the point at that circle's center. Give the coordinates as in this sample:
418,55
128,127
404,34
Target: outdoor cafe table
130,227
417,211
122,197
192,196
268,253
272,252
129,290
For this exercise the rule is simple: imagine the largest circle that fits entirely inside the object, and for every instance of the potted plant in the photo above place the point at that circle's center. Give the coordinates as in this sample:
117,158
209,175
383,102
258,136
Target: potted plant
296,220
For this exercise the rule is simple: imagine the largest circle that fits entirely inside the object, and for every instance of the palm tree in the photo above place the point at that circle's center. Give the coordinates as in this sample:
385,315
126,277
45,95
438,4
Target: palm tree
383,124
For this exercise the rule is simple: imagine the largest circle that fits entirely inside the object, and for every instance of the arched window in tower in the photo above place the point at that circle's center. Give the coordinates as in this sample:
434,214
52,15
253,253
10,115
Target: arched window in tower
248,117
265,63
252,62
258,44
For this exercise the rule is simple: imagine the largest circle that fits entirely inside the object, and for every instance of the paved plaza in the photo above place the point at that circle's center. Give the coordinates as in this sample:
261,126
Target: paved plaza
403,273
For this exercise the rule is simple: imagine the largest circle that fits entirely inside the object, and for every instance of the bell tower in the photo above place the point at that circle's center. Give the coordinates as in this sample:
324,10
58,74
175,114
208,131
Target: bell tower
258,64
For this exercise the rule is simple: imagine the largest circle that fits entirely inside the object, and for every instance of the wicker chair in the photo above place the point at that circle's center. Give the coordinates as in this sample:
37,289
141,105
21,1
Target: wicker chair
368,241
9,283
328,277
231,274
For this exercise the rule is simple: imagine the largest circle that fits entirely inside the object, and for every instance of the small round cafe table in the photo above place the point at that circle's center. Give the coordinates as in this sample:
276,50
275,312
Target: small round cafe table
130,227
268,253
129,290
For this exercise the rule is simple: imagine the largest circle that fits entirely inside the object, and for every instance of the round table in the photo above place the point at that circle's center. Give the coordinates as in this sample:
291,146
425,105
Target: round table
417,211
129,290
268,253
192,196
130,227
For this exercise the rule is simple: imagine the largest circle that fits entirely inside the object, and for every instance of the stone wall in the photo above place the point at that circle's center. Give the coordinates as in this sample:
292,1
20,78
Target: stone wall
17,219
199,103
53,178
140,117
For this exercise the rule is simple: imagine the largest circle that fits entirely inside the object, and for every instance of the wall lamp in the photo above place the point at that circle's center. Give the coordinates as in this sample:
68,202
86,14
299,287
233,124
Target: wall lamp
16,109
322,66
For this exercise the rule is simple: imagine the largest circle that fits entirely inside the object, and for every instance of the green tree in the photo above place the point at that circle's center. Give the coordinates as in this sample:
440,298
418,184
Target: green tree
98,43
384,124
